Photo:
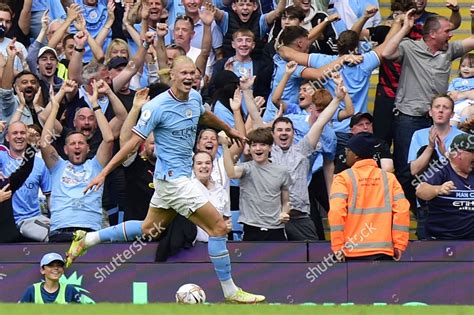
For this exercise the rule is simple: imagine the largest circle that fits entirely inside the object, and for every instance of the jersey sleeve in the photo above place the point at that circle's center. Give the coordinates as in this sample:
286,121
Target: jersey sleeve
371,62
148,120
45,180
224,23
264,27
217,37
316,60
298,71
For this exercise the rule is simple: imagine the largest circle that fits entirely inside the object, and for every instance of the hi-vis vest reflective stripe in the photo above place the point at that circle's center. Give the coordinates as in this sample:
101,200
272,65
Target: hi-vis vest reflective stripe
386,204
60,299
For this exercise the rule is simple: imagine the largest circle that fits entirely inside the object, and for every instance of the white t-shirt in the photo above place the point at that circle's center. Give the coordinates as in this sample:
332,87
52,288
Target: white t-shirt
19,46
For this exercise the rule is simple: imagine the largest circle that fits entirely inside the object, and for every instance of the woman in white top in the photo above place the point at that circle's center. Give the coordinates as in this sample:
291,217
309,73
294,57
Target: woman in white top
216,193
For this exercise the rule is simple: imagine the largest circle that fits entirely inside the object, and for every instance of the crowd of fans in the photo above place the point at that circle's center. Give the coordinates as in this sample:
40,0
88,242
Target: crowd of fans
293,76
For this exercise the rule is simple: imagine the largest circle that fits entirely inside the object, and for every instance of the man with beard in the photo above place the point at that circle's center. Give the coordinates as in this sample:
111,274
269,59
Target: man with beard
25,82
71,209
420,81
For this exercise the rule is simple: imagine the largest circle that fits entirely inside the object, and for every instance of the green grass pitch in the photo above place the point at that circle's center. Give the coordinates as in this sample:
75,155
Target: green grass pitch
226,309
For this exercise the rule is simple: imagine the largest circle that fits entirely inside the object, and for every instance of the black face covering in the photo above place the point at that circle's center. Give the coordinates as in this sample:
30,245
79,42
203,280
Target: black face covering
3,30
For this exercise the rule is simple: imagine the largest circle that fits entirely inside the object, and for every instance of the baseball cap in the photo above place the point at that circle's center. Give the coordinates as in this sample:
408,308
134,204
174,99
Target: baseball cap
358,116
116,62
363,145
50,257
47,49
463,142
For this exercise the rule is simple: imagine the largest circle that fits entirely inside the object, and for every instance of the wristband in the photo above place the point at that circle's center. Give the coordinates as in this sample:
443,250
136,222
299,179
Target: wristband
19,110
95,108
146,45
79,49
40,110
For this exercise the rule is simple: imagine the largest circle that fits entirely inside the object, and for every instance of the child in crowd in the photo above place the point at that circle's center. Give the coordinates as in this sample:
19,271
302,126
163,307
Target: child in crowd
51,290
461,90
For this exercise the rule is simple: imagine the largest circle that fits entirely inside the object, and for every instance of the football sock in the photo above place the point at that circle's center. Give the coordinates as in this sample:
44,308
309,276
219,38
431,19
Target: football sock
220,259
126,231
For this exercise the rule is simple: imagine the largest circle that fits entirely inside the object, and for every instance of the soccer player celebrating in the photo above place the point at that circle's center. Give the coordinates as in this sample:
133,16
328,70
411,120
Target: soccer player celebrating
173,117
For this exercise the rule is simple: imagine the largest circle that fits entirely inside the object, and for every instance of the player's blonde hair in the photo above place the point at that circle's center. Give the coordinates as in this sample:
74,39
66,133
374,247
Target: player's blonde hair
181,59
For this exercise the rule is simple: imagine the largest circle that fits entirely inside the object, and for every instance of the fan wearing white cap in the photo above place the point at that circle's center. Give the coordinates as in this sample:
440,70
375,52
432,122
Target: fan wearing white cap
47,65
51,290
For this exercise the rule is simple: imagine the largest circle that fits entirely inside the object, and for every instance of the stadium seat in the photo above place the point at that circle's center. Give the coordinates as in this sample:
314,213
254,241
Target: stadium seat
237,228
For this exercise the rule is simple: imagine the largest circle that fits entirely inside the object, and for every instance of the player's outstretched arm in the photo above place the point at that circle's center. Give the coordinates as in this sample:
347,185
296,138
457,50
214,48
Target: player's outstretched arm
212,121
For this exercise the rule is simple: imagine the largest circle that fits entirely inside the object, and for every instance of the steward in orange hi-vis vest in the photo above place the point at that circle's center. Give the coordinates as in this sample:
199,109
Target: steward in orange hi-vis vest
369,213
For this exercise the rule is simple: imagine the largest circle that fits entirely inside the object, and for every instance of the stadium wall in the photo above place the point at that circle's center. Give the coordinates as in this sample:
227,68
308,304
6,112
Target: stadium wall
436,272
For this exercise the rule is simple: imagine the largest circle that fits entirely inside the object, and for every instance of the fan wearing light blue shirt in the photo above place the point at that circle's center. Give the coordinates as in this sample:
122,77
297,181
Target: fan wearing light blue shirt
25,199
95,14
356,77
70,208
436,138
296,40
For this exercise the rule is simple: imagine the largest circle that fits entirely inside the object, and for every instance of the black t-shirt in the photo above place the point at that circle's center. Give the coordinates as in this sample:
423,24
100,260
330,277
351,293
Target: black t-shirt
140,188
451,216
127,99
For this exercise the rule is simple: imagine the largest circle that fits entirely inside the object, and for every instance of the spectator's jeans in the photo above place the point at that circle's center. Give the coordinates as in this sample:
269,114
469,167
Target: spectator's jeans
383,115
404,126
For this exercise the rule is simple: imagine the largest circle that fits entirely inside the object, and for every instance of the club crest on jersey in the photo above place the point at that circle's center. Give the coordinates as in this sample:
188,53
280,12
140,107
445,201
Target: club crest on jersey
93,14
189,113
170,173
